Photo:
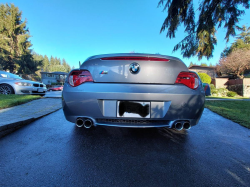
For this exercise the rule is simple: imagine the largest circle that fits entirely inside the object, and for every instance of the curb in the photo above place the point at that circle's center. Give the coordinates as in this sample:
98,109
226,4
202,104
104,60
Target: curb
9,128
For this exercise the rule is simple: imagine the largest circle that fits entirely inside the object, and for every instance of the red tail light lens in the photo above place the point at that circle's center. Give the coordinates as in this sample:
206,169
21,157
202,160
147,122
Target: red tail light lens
78,77
189,79
135,58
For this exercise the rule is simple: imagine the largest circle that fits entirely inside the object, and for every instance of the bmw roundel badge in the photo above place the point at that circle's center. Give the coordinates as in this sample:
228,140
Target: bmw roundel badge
134,68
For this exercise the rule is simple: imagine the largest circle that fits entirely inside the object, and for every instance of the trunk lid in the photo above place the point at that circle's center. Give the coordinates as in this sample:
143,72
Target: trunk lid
120,68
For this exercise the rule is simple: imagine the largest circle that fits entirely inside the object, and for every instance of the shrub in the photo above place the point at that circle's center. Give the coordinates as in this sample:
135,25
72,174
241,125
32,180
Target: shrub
222,92
213,89
214,92
205,78
231,94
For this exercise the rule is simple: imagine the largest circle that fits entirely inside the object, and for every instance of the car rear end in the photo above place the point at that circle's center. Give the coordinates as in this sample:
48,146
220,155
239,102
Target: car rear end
133,90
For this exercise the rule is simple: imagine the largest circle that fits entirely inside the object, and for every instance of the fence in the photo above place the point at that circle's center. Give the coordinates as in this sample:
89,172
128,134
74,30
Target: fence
241,86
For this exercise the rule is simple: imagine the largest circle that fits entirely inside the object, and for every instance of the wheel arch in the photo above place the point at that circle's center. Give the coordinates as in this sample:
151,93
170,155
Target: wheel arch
10,86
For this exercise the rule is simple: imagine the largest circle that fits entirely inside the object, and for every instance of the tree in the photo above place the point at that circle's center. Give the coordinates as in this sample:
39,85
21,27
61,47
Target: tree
29,65
203,64
14,43
235,63
191,64
212,14
46,63
242,42
244,35
59,68
52,61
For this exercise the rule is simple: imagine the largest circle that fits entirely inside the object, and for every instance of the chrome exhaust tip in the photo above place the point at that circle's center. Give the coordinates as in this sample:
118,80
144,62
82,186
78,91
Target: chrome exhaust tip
178,126
186,125
88,123
79,122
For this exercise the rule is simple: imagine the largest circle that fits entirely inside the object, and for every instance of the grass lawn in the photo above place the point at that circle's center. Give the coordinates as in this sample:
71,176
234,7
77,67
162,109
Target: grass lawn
212,97
237,111
7,101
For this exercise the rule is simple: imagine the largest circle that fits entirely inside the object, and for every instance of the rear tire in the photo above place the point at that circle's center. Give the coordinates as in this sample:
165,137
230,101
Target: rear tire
6,89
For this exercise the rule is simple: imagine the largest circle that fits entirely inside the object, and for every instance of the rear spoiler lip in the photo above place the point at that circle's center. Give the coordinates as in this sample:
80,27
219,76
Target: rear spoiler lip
132,54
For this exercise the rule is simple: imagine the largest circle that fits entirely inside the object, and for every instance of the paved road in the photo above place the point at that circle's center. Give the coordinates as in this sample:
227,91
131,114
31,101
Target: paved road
52,152
53,94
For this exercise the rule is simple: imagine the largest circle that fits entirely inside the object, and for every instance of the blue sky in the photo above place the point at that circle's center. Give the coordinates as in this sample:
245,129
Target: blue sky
75,30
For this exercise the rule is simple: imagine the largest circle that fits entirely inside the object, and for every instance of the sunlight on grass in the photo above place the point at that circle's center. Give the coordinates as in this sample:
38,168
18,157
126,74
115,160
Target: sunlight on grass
237,111
7,101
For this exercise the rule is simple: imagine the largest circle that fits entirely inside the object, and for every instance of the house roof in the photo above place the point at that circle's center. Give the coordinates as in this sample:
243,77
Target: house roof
56,73
197,66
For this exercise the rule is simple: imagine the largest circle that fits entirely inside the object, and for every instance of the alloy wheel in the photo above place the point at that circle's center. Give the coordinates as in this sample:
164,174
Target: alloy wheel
5,89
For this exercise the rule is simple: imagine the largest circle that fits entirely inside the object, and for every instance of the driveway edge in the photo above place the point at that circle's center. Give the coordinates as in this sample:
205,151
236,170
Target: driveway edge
13,120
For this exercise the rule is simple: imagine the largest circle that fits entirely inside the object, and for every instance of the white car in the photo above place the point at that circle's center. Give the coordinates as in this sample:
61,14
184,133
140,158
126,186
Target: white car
13,84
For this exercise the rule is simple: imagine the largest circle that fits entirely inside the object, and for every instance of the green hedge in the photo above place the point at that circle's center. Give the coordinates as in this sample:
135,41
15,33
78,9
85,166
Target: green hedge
205,78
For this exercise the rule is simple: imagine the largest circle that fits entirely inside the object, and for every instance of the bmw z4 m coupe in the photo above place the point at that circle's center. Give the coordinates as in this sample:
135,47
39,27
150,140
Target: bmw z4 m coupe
133,90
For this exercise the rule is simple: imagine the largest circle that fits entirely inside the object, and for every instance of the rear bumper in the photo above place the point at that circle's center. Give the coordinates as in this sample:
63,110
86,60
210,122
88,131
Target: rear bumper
98,101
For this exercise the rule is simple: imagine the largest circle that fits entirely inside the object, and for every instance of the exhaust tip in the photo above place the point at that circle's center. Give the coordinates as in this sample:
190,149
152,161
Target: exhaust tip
186,125
79,122
88,123
178,126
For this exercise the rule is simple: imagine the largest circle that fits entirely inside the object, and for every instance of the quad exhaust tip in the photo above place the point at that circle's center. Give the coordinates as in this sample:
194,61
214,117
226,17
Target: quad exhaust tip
87,123
79,122
178,126
182,125
186,125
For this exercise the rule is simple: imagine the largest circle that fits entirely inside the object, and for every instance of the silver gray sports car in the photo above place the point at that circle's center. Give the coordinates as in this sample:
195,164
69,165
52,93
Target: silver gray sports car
133,90
13,84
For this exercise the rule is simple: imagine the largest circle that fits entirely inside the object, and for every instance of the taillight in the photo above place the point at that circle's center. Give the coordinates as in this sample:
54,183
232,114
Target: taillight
189,79
78,77
144,58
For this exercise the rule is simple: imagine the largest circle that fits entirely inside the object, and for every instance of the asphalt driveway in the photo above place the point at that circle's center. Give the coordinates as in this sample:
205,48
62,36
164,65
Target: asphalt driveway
53,94
53,152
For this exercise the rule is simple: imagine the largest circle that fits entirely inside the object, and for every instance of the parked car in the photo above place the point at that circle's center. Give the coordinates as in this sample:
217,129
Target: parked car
56,88
206,89
13,84
133,90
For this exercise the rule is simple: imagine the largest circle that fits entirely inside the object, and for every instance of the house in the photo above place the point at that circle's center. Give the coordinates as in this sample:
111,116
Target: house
53,77
204,69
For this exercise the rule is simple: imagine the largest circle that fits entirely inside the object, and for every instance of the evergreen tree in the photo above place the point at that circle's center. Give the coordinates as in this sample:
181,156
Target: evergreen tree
60,62
64,62
191,64
52,61
66,65
60,68
212,14
14,43
242,42
46,63
203,64
29,65
57,61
